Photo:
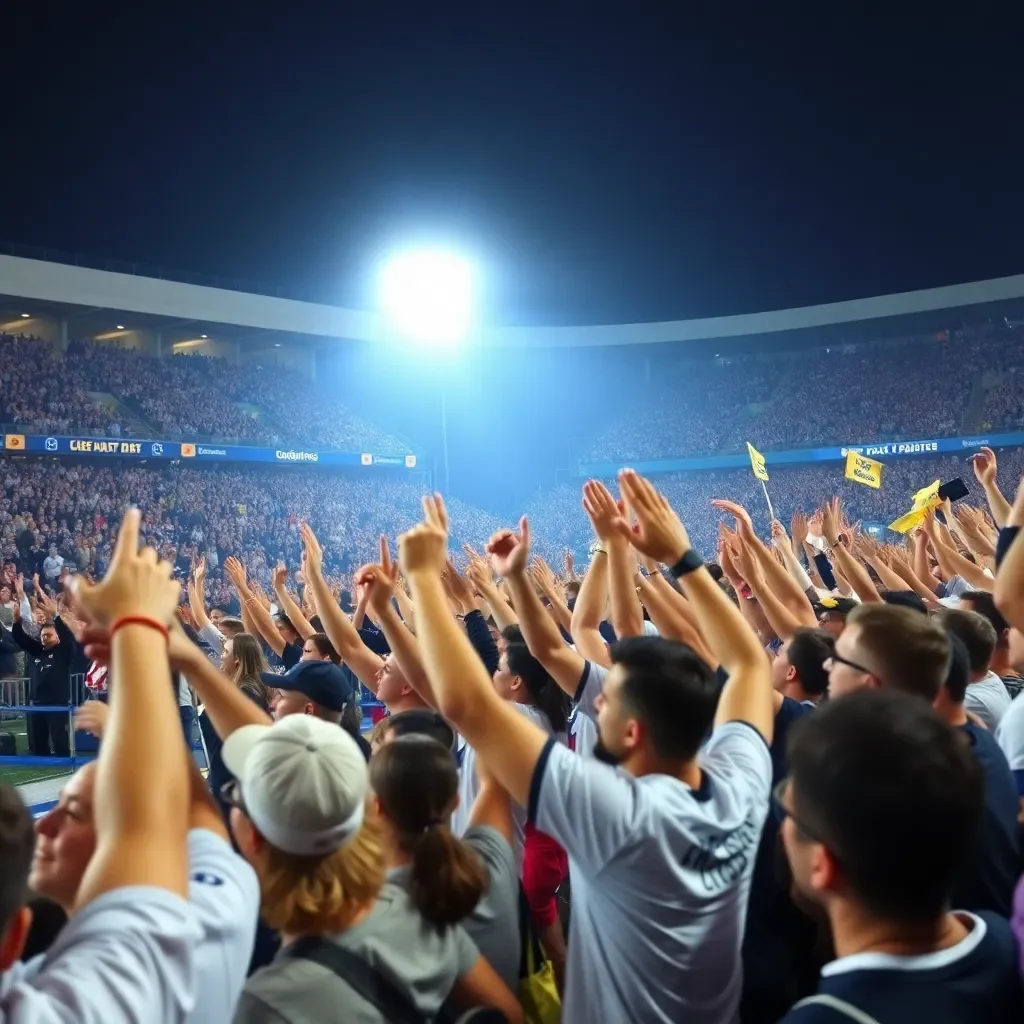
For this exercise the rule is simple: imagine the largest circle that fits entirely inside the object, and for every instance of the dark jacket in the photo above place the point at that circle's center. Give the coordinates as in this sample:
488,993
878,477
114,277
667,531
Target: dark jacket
49,668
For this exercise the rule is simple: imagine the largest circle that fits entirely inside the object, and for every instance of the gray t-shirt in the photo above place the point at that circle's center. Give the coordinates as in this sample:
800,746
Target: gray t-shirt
660,879
494,924
988,699
393,938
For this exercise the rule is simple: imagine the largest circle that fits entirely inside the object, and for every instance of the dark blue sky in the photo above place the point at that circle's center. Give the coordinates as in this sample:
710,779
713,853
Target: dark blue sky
636,162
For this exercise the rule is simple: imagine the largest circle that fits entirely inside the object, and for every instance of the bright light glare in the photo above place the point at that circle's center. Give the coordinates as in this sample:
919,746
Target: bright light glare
427,296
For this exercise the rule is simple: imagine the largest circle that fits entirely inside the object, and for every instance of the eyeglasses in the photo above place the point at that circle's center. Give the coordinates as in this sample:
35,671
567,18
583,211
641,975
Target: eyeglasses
782,812
839,659
231,794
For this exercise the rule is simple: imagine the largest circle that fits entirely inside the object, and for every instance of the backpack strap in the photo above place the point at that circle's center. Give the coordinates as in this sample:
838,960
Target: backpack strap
840,1006
381,993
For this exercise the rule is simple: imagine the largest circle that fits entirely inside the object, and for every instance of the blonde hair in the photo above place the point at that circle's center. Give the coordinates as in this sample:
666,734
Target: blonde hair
320,894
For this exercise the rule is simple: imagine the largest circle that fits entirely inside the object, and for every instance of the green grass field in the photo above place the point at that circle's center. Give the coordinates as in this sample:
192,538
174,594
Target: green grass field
19,776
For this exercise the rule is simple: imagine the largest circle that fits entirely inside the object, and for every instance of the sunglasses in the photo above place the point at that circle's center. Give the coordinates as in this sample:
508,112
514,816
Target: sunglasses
782,812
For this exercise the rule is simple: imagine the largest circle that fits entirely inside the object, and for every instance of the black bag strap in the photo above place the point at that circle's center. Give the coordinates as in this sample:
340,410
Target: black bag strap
393,1005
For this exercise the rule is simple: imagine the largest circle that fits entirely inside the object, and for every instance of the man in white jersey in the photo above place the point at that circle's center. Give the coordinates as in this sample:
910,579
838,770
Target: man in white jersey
662,847
127,953
224,893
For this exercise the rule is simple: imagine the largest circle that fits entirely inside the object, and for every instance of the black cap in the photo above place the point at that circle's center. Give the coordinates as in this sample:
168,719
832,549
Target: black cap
837,605
321,681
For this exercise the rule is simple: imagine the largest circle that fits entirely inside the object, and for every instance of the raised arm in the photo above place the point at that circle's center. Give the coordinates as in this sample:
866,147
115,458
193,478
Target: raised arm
288,603
509,557
342,634
541,574
785,592
1009,586
747,696
142,785
589,610
509,742
951,562
985,469
850,567
501,610
626,614
667,615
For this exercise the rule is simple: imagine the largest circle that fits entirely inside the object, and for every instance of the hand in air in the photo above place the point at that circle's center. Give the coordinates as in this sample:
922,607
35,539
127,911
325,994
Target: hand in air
314,553
137,583
602,509
510,552
744,524
658,531
985,466
424,548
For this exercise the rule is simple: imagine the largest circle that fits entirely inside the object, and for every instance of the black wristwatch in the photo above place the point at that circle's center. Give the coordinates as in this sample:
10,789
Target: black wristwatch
690,561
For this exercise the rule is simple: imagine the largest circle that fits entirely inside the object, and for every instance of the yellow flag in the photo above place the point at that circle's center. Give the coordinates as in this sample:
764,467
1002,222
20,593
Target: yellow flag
926,498
757,462
862,470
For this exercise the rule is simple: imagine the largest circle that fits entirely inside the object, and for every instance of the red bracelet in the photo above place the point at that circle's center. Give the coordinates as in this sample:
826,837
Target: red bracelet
139,620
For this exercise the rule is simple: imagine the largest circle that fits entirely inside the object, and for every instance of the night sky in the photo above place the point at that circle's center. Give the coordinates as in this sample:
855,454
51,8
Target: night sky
626,162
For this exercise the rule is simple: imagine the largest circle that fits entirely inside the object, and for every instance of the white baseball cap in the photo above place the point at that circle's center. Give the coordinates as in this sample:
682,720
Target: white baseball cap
303,782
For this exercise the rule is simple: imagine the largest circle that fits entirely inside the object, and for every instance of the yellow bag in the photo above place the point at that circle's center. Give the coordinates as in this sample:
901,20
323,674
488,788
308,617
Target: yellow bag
537,990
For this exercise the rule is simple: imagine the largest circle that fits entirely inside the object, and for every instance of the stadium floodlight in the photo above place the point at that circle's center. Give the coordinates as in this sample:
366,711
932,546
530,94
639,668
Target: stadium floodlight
427,296
25,316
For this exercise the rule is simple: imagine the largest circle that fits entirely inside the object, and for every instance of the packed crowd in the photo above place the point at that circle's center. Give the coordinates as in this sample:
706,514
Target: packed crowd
843,394
780,785
184,396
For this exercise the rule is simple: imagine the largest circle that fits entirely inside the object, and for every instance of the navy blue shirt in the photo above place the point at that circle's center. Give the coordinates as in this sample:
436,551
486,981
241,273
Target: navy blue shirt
992,872
778,937
974,982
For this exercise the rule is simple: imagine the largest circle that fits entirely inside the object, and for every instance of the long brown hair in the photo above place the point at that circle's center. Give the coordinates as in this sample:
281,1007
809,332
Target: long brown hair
249,663
416,781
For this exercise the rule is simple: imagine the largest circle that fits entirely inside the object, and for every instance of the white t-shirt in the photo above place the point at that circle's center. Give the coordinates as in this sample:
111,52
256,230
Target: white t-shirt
129,956
988,699
583,723
1010,734
660,879
224,899
469,785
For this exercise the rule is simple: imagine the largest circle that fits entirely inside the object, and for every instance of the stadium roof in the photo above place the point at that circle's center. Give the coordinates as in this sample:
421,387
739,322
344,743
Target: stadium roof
75,292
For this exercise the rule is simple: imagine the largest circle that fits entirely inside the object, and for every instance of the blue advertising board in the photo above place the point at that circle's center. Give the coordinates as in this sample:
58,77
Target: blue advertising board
198,451
795,456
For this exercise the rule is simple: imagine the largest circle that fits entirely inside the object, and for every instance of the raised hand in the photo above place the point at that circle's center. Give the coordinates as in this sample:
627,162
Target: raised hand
19,587
831,521
137,582
602,509
658,532
461,591
424,548
985,466
798,530
314,553
235,571
279,576
386,563
779,538
379,587
46,604
510,552
541,574
568,565
480,576
744,524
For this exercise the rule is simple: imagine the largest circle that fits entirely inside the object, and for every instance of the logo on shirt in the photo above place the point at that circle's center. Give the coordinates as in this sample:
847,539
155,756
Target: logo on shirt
721,860
204,878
